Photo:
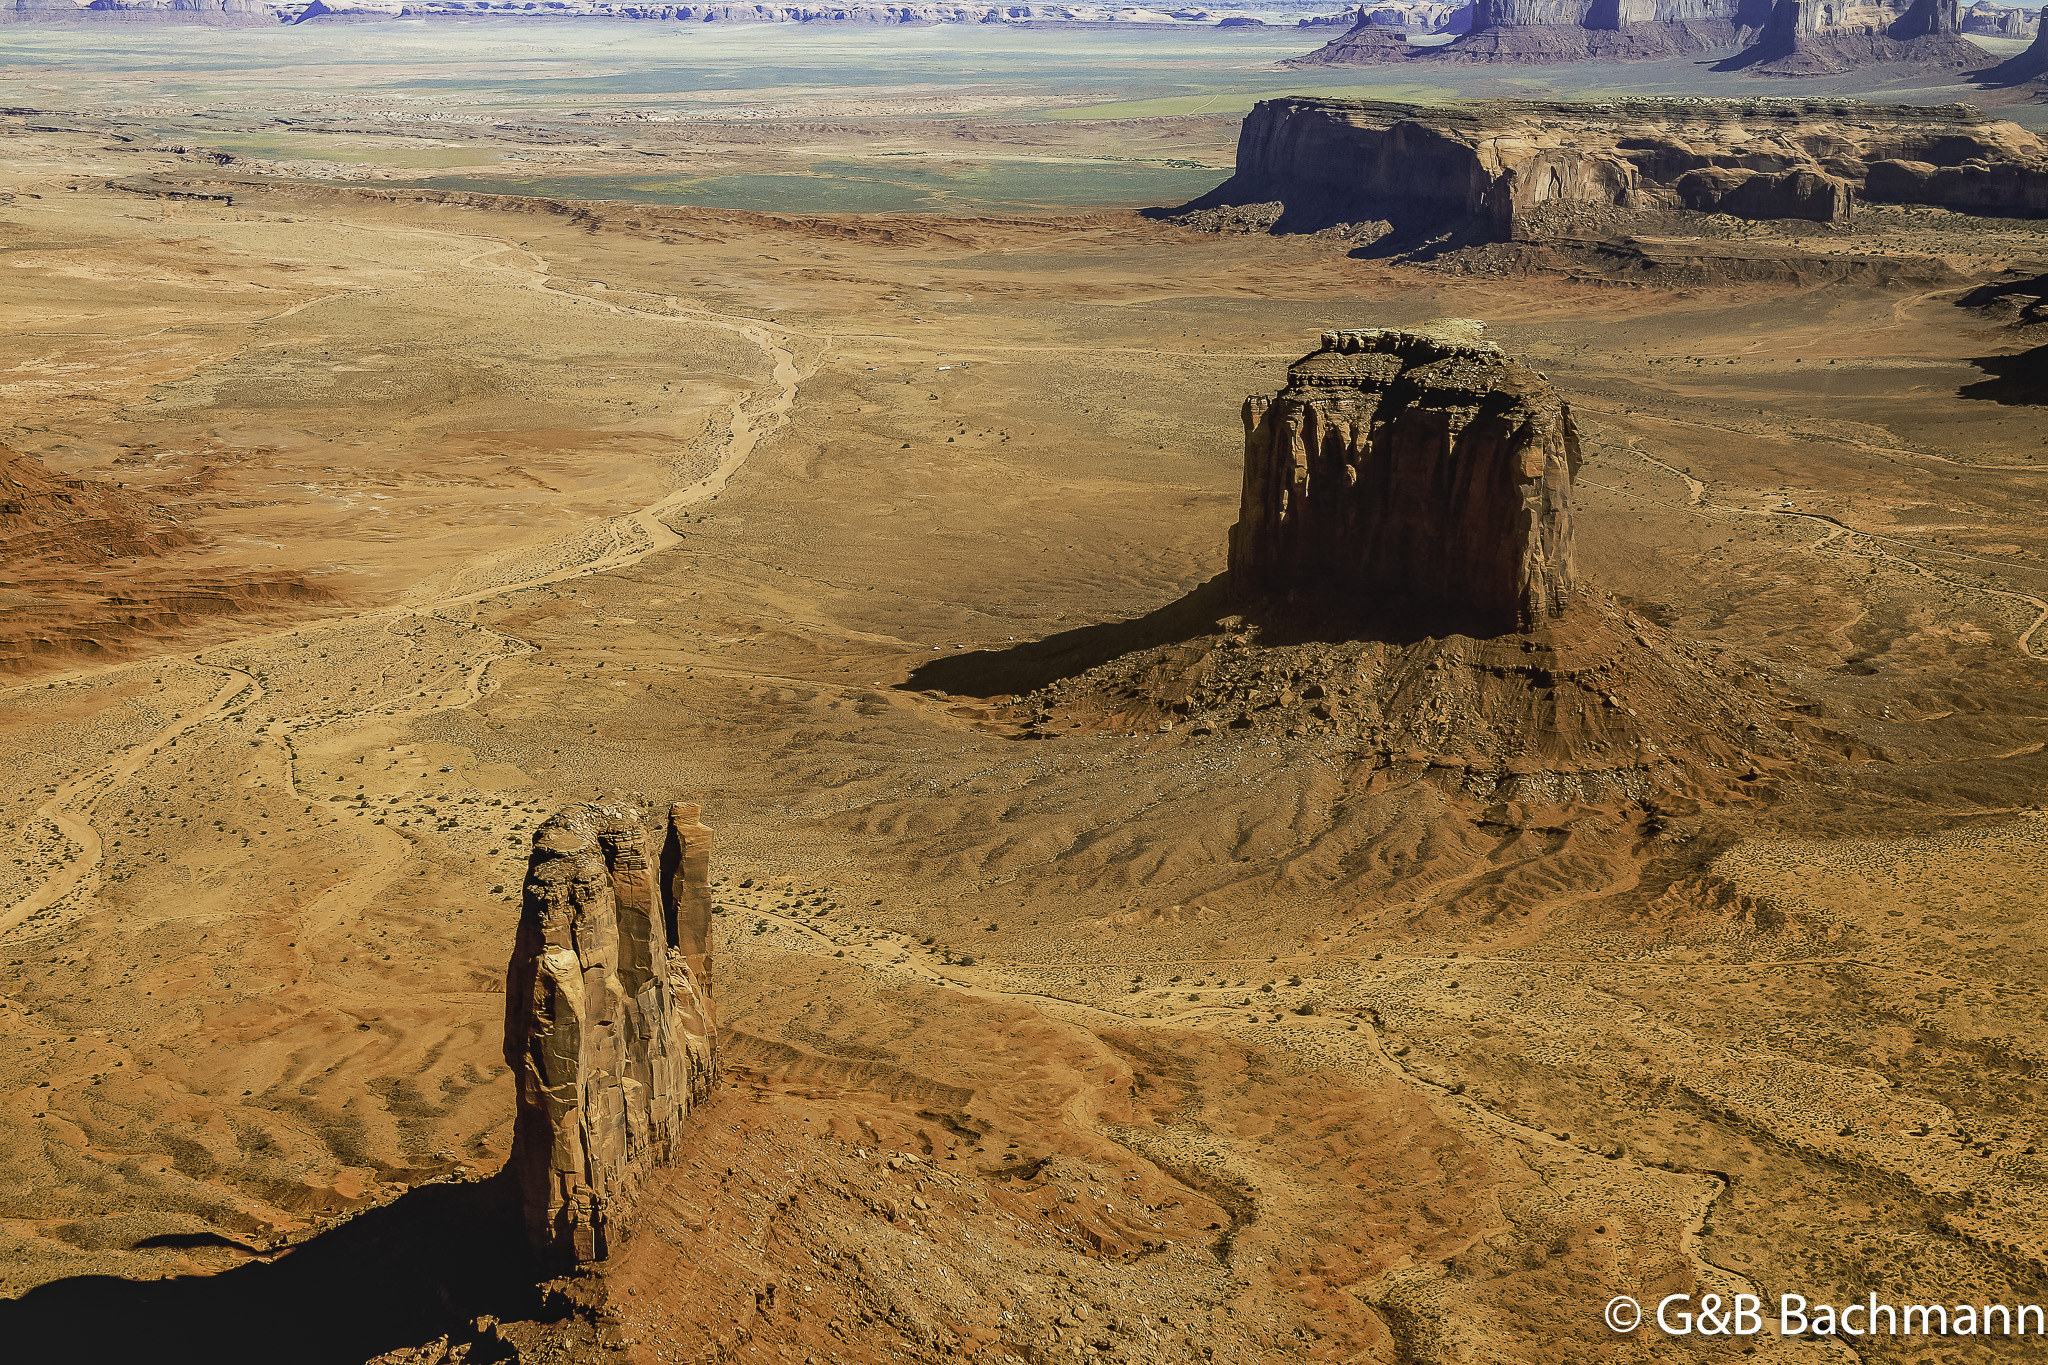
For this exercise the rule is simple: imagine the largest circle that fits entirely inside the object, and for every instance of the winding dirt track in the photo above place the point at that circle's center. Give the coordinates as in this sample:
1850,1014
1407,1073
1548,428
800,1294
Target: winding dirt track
629,537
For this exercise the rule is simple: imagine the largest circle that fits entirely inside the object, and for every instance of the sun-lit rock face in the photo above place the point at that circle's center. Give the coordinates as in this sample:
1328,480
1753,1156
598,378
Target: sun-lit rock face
608,1023
1411,478
1488,171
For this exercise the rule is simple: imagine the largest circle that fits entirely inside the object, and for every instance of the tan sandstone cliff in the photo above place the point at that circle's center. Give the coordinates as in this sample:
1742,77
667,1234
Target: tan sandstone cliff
1476,172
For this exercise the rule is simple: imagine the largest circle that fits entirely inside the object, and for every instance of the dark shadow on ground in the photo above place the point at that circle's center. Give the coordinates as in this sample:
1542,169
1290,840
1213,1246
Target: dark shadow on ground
401,1275
2016,298
2017,380
1026,667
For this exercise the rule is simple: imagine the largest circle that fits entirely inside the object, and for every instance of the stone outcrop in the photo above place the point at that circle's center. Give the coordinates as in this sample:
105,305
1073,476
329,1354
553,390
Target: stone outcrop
1829,37
2029,67
207,13
1764,37
1479,172
608,1014
1523,32
1410,478
2000,21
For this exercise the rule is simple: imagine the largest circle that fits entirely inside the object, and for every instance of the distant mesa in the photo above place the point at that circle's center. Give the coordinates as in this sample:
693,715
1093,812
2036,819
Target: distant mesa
1408,177
1763,37
608,1014
1994,20
1410,477
211,13
1543,32
717,12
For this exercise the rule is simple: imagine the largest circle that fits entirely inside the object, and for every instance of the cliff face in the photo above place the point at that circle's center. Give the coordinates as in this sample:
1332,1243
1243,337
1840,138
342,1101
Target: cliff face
2000,21
1412,479
1475,172
1827,37
1766,37
608,1025
1544,31
2030,67
210,13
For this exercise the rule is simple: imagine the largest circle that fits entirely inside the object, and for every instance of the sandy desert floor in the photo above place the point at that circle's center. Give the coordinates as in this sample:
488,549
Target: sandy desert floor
1085,1044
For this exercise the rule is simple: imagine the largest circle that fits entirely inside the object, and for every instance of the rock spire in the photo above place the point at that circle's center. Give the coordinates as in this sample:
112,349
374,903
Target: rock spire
608,1021
1413,479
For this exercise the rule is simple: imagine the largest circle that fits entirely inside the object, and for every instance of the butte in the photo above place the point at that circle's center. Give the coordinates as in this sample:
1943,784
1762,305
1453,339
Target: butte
1401,588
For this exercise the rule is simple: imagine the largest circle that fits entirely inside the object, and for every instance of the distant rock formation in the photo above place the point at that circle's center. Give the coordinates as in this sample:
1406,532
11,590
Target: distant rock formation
1422,17
2000,21
209,13
1479,172
231,12
1826,38
1524,32
2029,67
1410,478
608,1020
1764,37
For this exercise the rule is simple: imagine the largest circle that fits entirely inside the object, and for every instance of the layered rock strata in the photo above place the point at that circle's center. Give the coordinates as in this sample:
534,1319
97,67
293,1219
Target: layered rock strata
1478,172
608,1018
1410,478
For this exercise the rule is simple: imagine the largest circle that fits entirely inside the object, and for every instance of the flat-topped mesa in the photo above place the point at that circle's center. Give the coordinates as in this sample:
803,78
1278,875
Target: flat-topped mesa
1411,479
608,1021
1496,170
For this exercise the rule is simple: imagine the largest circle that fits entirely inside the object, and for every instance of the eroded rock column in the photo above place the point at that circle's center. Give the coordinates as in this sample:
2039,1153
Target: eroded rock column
608,1022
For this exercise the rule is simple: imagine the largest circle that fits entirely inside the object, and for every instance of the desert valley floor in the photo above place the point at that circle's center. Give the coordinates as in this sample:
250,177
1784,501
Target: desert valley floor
1052,1032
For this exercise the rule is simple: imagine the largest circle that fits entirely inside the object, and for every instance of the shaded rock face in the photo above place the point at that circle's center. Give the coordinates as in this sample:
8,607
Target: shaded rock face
1999,21
1765,37
1413,480
608,1023
1506,32
1828,37
2029,67
1476,172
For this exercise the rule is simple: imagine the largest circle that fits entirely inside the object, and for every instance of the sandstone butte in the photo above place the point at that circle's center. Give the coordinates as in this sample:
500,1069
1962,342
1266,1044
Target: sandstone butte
1410,477
1477,171
609,1029
2029,67
1769,37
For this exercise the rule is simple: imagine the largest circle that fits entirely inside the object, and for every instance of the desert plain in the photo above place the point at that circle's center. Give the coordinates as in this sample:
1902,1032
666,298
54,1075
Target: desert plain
405,513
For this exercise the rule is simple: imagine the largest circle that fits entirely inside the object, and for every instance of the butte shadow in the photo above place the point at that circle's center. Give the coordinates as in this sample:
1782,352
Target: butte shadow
428,1264
2019,380
1402,582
